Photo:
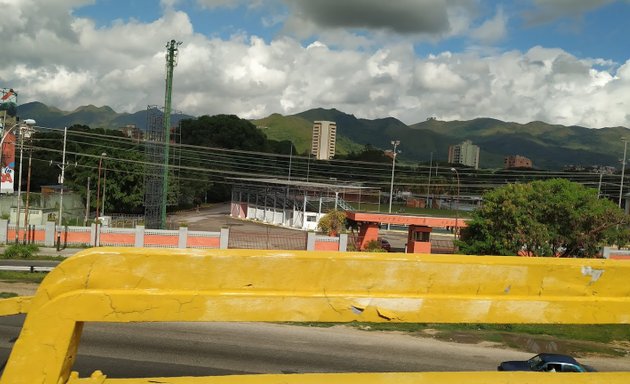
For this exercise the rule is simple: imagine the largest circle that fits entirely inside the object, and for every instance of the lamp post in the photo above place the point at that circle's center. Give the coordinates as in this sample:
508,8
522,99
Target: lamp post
395,143
25,132
98,198
623,169
98,184
104,189
290,160
429,183
457,205
28,193
61,180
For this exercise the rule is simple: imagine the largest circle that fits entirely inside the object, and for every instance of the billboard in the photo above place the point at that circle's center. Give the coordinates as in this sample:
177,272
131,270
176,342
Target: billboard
8,101
7,172
8,111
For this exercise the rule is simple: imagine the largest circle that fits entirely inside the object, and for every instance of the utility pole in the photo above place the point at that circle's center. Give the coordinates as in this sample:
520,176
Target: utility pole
395,143
87,203
171,55
290,160
429,183
25,132
104,189
623,169
457,206
28,192
63,169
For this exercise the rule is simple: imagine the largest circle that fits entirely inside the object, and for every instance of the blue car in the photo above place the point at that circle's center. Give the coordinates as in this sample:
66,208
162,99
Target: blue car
546,362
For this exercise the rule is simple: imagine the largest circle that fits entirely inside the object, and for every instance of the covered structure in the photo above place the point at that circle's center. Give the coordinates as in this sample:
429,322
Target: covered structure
293,203
420,227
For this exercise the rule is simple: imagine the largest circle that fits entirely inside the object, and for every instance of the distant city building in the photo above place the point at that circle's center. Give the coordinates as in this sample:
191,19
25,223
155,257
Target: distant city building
465,153
517,161
324,139
603,169
131,131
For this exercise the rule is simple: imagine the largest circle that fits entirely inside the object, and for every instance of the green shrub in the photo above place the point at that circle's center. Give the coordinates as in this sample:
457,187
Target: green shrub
332,223
20,251
374,246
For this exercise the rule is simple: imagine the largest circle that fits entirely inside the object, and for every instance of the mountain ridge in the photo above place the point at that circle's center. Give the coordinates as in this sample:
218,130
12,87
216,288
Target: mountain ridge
549,146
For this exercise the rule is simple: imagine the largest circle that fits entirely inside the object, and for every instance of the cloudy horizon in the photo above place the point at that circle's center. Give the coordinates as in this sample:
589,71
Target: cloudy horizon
521,61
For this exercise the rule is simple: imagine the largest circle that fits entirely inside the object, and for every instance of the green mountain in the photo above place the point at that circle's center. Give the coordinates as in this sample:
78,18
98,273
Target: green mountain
548,146
90,115
354,133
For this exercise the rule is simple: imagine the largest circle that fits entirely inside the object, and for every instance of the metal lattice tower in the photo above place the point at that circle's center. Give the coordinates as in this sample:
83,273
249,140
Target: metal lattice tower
157,148
153,179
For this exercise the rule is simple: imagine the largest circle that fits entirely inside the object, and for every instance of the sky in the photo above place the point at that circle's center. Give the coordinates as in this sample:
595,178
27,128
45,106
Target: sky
558,61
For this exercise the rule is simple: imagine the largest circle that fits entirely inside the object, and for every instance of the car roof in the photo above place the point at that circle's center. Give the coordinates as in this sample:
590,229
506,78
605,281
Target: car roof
557,358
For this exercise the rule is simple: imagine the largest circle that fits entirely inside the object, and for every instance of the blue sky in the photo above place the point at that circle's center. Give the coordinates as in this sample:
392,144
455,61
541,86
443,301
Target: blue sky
560,61
601,32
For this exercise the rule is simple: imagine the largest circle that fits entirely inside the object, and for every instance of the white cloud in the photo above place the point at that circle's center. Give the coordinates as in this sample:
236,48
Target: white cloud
75,63
493,30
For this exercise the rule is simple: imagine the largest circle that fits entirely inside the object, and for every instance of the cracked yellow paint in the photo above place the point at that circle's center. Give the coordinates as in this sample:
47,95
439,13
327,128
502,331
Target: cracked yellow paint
140,285
15,305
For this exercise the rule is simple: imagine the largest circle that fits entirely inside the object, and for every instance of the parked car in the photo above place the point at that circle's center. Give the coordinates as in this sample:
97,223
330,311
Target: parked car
546,362
385,245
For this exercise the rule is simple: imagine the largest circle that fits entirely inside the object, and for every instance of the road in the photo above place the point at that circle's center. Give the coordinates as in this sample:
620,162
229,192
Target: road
193,349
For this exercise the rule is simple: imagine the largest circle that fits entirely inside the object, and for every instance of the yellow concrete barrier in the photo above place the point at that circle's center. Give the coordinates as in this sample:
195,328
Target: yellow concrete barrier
140,285
15,305
379,378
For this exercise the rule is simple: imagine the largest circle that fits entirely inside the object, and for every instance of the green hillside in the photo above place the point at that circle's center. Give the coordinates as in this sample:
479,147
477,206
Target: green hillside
549,146
298,130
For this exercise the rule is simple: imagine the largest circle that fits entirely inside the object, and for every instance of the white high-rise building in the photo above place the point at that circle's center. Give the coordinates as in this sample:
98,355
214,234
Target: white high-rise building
324,139
465,153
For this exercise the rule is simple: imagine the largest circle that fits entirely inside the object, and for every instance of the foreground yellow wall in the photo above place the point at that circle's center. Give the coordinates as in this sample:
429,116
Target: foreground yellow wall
125,285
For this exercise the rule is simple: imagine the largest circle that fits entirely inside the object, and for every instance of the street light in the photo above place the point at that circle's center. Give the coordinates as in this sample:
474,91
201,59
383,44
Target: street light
25,132
395,143
429,183
98,197
456,206
98,183
61,180
623,169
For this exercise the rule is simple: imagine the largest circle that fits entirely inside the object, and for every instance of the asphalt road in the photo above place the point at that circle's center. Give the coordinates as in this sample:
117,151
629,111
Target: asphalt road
198,349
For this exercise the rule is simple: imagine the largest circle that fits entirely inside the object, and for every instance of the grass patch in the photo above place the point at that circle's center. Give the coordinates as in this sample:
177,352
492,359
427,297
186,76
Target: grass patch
7,295
20,251
18,276
606,339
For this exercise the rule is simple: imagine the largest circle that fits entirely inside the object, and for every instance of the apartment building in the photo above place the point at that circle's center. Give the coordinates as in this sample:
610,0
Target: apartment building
465,153
324,140
517,161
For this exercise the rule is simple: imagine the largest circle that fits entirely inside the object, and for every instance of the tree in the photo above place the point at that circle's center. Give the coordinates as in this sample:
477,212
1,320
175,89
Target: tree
219,131
121,176
544,218
369,153
223,131
333,222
